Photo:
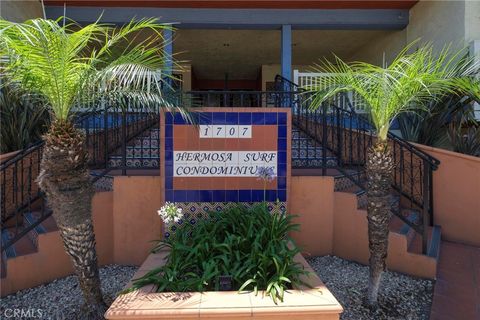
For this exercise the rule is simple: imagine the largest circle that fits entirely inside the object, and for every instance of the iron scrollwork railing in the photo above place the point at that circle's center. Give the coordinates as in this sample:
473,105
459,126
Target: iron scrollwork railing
239,98
345,136
108,131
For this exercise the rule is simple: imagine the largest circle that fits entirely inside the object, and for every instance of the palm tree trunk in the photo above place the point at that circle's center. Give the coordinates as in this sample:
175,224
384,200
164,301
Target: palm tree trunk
65,179
379,168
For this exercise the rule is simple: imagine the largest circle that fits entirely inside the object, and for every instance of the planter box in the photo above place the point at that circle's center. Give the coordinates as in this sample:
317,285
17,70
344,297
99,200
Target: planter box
315,303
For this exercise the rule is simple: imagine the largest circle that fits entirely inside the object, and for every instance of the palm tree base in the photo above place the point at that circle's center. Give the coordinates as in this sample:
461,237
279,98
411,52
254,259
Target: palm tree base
65,179
379,168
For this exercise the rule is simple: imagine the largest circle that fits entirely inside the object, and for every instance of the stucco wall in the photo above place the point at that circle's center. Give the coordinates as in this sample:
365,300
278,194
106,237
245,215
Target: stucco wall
51,261
136,223
311,200
437,22
472,20
456,195
20,11
382,49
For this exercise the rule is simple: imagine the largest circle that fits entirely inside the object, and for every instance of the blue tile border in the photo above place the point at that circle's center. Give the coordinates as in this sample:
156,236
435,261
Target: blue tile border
256,195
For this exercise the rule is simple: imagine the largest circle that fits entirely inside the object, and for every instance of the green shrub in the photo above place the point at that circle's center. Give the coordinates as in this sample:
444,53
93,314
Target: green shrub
249,245
23,120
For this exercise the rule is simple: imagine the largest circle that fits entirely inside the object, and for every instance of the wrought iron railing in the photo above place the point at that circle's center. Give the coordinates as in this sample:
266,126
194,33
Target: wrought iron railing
346,136
116,141
110,138
239,98
109,132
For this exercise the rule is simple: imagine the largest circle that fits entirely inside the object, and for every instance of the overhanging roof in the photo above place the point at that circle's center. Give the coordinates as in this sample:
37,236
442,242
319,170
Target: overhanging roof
355,19
245,4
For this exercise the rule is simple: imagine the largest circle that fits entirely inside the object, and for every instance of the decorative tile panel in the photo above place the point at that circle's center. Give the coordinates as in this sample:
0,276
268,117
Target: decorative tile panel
217,159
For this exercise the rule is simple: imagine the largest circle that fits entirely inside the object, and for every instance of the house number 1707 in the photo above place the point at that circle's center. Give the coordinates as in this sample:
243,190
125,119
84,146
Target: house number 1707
225,131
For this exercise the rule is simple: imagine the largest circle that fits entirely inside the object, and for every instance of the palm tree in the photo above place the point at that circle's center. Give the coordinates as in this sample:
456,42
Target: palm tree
69,66
407,84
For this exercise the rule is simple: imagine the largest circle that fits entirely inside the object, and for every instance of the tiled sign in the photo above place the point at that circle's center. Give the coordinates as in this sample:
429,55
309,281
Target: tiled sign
216,159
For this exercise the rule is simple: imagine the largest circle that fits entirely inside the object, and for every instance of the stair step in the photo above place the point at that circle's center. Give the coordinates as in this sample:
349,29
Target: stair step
10,251
22,246
397,225
30,219
433,246
411,216
47,225
343,182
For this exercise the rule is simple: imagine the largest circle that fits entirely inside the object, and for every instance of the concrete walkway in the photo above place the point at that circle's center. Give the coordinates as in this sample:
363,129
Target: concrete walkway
457,290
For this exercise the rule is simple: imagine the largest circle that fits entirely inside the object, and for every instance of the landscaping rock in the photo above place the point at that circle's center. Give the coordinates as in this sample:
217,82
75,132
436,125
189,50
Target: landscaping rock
62,298
400,297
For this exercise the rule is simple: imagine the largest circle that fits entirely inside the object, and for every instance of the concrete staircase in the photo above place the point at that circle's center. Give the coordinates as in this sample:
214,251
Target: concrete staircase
144,150
397,225
27,244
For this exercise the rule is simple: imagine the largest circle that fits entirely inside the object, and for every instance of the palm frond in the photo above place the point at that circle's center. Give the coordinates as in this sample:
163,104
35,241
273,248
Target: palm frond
408,84
72,65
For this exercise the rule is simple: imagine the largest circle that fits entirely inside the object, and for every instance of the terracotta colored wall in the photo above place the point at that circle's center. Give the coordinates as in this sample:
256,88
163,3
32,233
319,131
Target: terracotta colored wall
136,223
330,223
311,199
50,261
102,210
350,240
456,195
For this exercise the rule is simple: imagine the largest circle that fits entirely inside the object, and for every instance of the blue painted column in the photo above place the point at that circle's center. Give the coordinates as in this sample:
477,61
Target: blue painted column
286,52
168,51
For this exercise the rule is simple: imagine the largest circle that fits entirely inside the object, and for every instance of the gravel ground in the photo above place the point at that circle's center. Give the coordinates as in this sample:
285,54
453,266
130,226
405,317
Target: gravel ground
400,296
62,298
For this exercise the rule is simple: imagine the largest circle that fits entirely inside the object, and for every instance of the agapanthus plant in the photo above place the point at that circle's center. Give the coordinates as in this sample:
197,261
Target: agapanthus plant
170,213
267,174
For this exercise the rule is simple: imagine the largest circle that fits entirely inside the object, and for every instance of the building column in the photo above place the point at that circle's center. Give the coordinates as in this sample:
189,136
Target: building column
286,52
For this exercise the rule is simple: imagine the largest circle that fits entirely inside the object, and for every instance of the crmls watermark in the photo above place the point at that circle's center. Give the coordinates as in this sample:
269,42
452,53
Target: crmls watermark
27,313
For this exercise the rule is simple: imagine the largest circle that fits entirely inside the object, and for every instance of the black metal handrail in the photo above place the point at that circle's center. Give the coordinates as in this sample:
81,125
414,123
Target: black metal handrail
240,98
108,132
347,135
116,141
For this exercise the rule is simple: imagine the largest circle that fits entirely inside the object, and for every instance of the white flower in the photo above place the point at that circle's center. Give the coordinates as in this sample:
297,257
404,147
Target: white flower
170,213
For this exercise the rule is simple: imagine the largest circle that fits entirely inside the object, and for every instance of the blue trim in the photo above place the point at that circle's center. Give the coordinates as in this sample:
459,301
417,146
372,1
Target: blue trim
231,118
256,195
286,52
245,118
258,118
194,18
282,182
